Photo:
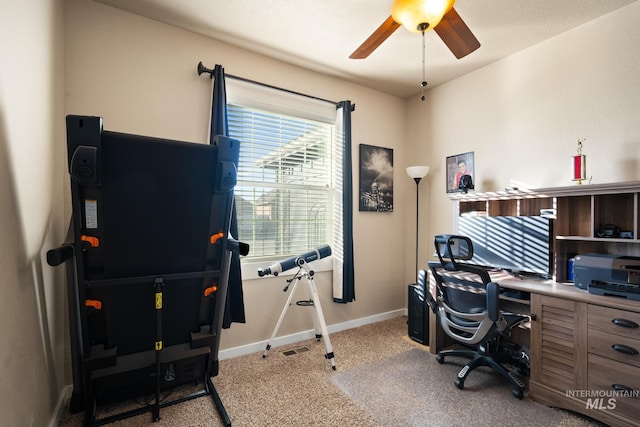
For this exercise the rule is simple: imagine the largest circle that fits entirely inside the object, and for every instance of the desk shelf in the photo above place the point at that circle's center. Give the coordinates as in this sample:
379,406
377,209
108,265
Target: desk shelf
605,240
581,215
515,300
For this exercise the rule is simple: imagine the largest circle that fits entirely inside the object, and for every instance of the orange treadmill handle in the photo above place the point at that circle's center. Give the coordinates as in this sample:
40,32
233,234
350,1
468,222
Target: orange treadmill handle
93,241
211,289
92,303
214,237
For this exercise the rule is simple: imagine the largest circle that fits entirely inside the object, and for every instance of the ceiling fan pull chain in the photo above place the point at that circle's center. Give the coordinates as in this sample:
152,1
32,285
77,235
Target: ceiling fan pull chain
424,67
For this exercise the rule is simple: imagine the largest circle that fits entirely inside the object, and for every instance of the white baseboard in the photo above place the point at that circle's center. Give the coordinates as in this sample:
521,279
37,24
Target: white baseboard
306,335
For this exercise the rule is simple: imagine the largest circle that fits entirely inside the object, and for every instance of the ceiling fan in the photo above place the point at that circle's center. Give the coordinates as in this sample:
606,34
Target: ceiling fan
419,16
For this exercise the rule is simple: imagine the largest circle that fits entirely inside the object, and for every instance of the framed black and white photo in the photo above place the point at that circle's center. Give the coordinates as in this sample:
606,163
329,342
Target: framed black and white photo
457,166
376,179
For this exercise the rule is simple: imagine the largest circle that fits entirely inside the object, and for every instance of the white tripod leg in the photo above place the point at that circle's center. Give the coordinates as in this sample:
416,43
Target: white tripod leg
284,312
318,319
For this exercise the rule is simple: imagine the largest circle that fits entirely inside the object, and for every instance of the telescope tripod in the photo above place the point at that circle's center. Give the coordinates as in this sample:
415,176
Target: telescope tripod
319,324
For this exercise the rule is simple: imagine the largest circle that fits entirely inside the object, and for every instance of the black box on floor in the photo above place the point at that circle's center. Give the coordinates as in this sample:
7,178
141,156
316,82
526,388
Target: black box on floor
418,312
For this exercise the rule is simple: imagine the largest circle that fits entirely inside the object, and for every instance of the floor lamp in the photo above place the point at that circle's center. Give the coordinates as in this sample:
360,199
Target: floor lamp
417,173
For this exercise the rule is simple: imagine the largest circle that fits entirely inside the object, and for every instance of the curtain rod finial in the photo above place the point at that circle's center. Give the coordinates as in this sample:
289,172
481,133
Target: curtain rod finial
203,69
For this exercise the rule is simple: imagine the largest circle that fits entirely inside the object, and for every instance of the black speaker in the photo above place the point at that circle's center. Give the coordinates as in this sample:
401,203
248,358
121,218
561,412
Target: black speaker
418,312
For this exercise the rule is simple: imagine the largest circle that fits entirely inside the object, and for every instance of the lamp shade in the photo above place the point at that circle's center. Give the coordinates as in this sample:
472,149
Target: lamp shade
418,172
412,14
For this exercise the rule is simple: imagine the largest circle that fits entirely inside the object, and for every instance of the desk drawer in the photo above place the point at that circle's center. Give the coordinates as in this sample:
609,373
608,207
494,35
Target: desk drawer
603,374
616,347
627,323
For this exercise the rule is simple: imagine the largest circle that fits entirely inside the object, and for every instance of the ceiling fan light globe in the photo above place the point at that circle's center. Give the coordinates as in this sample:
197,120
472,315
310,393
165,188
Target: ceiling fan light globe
413,14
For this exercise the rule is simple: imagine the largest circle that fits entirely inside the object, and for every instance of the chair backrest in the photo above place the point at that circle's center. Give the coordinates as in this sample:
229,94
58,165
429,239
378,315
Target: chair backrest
467,300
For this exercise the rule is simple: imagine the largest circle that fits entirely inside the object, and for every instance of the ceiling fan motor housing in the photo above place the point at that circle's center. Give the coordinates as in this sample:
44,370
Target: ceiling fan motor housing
418,16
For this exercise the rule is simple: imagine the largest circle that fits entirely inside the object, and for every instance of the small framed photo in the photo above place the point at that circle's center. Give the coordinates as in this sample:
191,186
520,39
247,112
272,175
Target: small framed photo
376,179
457,166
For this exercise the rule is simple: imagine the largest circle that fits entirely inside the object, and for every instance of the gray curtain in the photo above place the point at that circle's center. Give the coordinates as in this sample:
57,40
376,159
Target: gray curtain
347,293
234,311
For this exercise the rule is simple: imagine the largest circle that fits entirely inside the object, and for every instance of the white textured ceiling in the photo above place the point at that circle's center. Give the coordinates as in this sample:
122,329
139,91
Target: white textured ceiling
321,34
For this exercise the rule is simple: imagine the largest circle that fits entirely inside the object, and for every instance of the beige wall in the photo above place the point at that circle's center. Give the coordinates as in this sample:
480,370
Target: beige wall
522,116
32,309
140,76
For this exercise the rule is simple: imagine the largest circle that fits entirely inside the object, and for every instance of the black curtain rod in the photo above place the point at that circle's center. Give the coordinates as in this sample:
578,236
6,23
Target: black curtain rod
203,69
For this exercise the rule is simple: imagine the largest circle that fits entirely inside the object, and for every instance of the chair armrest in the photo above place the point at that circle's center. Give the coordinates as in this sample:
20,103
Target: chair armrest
493,301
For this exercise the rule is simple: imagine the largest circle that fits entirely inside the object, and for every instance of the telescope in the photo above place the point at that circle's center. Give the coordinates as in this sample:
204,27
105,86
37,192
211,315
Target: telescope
304,271
296,261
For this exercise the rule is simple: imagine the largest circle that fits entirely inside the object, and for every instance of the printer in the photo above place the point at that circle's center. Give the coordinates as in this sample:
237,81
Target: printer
605,274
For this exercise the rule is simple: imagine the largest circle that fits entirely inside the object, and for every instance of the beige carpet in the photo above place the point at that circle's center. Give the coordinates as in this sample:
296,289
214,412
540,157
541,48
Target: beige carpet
301,390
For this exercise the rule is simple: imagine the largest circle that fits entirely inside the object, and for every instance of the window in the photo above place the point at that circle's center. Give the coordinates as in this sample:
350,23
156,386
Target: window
284,189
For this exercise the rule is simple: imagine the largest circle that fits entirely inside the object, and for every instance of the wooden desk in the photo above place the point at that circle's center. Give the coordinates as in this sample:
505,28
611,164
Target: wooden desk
574,364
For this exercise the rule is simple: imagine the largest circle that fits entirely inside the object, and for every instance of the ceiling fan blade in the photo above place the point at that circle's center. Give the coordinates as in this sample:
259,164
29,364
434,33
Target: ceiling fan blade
381,34
456,35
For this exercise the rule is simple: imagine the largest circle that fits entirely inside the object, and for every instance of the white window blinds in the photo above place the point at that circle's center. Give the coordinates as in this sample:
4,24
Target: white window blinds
283,194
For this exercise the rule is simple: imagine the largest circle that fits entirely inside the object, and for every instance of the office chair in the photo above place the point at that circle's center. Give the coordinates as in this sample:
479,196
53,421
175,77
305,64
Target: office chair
468,307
